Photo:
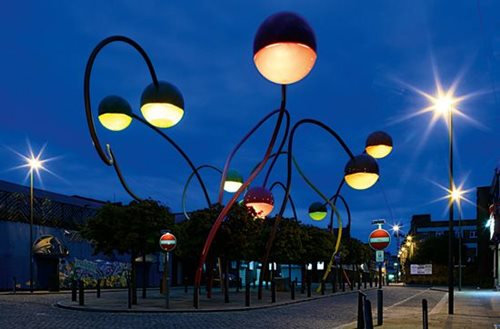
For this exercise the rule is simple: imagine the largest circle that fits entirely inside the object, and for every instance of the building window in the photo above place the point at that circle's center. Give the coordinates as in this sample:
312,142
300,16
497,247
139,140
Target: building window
473,234
439,233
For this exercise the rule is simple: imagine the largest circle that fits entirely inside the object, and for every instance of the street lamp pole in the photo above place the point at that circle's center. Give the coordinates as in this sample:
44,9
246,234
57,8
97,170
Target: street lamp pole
451,216
31,228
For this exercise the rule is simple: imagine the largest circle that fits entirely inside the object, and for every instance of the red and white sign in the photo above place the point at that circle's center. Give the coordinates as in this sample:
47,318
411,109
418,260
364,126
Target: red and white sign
379,239
168,242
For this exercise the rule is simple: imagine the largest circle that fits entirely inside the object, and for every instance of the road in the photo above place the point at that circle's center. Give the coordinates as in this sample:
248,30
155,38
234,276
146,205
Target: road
38,311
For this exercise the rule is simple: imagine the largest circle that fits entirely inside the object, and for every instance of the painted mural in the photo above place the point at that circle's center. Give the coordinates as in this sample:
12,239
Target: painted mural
110,274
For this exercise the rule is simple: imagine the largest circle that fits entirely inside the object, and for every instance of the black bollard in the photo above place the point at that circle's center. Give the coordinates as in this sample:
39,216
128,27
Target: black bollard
247,294
81,298
196,298
322,287
273,291
371,279
98,288
380,307
364,280
292,290
368,314
425,315
361,315
334,282
185,284
308,286
129,293
14,284
73,290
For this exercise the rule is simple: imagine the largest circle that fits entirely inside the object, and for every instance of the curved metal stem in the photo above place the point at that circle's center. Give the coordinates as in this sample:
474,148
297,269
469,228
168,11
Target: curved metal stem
120,176
187,184
107,158
247,136
225,210
182,153
280,150
292,204
348,210
289,181
334,199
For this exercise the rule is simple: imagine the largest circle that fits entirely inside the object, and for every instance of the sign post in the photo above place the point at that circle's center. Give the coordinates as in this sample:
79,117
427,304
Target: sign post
379,240
168,242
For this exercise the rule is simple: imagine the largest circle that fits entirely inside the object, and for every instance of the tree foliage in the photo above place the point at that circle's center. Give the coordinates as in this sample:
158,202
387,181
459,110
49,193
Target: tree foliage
134,228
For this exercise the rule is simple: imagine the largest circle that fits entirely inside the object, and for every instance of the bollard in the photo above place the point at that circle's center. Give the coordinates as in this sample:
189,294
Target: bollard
129,293
364,280
273,291
359,281
425,315
14,281
98,288
247,294
73,290
361,316
334,282
380,307
81,298
186,284
322,287
308,286
368,314
161,286
371,280
196,299
292,290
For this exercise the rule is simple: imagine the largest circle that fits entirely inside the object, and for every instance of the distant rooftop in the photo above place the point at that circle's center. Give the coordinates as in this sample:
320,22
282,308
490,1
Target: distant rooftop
74,200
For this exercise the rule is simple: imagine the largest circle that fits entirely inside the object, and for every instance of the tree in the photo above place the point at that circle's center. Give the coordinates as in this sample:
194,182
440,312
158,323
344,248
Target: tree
133,229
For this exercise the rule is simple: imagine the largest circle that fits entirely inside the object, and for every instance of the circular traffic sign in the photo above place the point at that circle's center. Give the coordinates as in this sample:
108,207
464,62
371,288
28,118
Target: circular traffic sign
379,239
168,242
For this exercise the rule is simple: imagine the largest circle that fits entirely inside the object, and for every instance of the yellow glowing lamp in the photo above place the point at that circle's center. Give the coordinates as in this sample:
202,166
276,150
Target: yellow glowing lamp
233,181
162,105
115,113
260,200
284,48
379,144
317,211
361,172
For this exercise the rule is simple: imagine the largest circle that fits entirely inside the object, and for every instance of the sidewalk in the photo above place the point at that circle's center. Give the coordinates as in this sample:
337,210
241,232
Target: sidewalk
473,309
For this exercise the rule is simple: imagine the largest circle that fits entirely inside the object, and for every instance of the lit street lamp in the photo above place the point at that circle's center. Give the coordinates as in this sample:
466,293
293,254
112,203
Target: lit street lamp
34,164
444,105
396,228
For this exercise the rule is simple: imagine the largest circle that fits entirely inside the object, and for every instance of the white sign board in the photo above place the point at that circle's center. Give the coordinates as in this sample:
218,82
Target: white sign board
379,256
421,269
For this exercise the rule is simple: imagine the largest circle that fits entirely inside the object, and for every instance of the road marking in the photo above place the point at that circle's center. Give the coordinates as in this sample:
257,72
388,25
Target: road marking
406,299
439,306
354,323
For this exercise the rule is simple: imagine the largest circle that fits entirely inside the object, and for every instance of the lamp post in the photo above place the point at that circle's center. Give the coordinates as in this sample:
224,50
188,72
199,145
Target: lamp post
34,164
456,196
395,229
444,105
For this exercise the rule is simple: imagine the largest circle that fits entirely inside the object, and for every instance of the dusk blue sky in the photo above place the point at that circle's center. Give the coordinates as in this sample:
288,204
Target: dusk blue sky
370,53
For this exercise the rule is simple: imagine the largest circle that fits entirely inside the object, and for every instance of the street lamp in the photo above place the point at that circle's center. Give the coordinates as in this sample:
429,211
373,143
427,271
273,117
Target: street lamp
444,105
34,164
396,229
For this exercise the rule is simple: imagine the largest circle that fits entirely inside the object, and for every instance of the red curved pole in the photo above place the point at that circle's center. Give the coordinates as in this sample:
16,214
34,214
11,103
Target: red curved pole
225,210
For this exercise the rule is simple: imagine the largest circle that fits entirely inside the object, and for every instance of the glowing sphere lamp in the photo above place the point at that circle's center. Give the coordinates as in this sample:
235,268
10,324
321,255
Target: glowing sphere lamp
284,48
162,106
361,172
233,181
260,200
317,211
115,113
378,144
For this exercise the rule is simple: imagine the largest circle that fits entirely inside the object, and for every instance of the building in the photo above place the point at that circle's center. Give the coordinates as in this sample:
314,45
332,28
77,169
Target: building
493,225
59,252
475,238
